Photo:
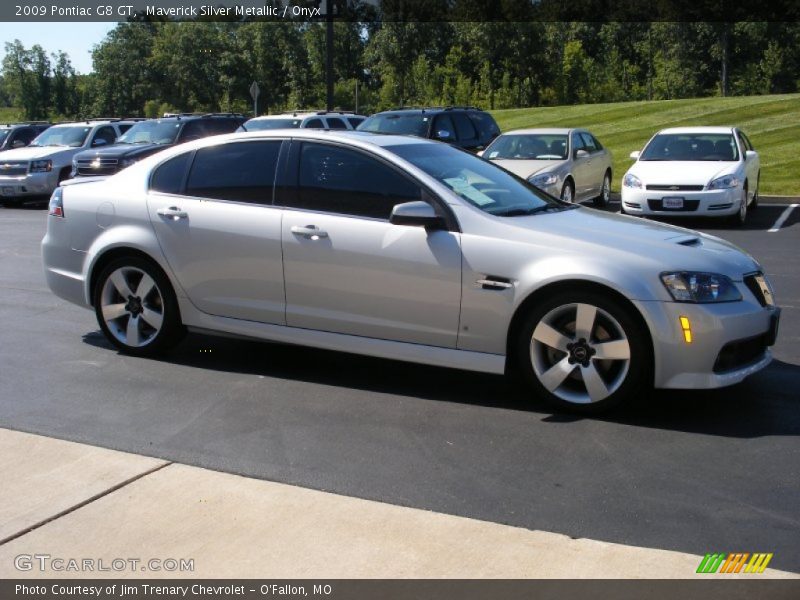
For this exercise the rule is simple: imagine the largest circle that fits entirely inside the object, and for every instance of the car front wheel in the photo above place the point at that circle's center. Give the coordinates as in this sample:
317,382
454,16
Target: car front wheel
136,307
583,352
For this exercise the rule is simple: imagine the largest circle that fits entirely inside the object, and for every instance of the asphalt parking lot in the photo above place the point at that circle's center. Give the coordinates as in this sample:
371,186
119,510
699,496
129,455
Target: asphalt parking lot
691,471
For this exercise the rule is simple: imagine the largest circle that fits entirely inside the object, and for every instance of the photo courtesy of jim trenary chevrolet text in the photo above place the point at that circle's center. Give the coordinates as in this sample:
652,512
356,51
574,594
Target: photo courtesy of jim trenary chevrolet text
441,299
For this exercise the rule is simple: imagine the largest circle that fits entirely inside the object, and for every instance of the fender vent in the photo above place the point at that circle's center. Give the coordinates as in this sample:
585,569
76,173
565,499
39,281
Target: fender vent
492,282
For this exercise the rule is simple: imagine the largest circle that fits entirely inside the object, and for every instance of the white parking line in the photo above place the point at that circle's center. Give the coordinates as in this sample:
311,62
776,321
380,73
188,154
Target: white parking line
782,219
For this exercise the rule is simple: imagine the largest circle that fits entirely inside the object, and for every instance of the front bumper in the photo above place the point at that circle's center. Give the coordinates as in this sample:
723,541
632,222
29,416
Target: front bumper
729,341
31,184
705,203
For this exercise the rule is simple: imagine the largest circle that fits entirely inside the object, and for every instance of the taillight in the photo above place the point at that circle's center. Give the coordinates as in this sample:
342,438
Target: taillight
56,206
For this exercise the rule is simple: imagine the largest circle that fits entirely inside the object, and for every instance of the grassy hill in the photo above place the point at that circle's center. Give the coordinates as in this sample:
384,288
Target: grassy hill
771,123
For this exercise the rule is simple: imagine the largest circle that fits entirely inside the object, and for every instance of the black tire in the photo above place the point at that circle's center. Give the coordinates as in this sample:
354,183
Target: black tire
624,378
105,293
605,192
754,201
740,217
568,185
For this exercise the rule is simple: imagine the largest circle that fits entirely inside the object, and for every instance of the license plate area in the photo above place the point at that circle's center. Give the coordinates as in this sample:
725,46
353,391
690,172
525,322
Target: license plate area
672,202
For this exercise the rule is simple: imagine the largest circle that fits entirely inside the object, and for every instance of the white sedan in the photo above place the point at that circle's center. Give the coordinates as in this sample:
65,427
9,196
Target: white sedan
694,171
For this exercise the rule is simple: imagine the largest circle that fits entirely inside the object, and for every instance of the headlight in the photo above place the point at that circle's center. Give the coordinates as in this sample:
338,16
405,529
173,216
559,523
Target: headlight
544,179
41,166
632,181
723,183
691,286
126,162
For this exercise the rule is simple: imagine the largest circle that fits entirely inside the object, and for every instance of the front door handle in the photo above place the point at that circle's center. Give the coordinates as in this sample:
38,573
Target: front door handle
311,232
173,212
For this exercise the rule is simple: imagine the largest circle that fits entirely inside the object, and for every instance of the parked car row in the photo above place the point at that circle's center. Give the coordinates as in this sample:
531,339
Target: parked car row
695,171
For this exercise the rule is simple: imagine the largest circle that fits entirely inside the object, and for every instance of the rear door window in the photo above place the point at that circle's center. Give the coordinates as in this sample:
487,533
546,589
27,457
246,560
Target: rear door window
242,172
486,126
588,143
336,123
354,122
315,124
465,130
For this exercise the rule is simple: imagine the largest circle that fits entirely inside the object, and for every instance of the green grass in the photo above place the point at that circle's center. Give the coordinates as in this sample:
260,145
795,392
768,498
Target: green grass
771,123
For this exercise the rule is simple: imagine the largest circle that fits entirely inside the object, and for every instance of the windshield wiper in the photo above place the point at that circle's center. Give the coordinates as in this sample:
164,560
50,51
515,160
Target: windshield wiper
524,212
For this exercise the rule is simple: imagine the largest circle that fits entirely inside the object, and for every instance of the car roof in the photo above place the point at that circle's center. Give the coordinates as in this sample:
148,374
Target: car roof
79,123
300,114
542,130
698,129
429,109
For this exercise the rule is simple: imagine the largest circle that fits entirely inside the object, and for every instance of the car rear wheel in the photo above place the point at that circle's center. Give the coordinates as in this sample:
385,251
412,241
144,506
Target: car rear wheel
136,307
605,192
583,352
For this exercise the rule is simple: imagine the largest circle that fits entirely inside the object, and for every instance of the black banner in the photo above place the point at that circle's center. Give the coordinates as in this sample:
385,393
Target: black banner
404,589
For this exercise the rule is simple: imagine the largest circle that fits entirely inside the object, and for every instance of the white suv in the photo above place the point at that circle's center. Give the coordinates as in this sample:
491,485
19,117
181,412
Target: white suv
302,119
37,169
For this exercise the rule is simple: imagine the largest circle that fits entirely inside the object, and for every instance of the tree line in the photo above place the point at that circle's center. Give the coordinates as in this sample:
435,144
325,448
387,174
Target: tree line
147,68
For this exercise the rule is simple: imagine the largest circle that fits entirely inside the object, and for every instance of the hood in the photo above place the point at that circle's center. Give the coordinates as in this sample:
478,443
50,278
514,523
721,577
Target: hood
526,168
35,152
696,172
630,241
122,150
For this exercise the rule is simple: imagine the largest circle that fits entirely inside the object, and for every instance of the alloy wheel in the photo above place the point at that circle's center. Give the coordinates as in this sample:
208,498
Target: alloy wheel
580,353
132,306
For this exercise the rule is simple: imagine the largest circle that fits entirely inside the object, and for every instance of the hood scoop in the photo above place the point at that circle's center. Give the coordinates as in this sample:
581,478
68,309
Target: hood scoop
687,240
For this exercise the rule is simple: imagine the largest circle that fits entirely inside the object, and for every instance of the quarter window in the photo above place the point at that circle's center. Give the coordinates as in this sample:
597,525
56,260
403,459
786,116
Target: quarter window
244,172
168,177
464,128
338,180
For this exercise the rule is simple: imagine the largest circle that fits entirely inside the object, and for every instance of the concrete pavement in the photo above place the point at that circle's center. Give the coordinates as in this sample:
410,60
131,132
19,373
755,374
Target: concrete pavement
71,501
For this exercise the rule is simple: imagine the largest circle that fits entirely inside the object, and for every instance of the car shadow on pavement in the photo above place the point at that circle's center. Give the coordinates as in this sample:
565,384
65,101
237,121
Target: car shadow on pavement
765,404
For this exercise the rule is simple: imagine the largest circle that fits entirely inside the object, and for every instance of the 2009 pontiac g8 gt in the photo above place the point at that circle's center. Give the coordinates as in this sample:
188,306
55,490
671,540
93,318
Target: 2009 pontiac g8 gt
407,249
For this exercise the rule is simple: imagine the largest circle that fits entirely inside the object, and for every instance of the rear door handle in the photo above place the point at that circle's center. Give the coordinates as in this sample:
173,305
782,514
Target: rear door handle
311,232
173,212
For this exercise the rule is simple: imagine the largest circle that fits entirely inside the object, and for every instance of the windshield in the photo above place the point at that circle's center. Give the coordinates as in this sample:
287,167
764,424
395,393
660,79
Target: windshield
482,184
262,124
692,147
63,136
531,146
151,132
397,123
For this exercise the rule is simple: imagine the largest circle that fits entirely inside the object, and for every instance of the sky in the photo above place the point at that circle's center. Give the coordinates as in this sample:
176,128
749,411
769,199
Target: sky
76,39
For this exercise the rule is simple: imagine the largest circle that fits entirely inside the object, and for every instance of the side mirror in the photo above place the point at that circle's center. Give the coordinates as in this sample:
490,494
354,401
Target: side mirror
635,155
750,154
581,154
416,213
444,135
18,144
99,142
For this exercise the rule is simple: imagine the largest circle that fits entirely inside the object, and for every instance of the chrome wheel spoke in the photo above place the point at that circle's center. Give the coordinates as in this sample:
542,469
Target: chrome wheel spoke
555,375
145,286
615,350
584,321
121,284
549,336
132,336
152,318
595,385
113,311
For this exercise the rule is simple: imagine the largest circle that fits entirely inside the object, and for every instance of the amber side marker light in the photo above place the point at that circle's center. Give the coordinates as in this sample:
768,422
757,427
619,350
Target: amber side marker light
686,326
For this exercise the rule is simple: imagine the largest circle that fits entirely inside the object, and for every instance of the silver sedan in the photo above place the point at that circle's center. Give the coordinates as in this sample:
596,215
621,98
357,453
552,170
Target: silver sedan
570,164
406,249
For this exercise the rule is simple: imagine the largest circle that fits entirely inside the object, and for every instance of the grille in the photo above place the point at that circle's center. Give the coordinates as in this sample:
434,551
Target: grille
740,353
13,168
752,284
688,205
97,166
675,188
